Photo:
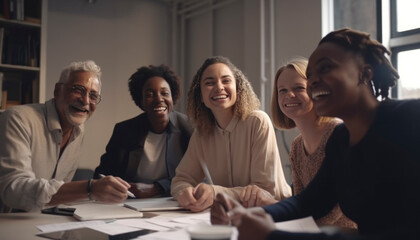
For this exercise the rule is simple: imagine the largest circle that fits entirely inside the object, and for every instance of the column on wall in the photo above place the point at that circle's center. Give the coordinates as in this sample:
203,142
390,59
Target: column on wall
252,38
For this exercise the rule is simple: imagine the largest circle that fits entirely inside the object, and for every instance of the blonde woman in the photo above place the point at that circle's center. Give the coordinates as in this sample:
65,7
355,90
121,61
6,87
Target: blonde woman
292,107
233,139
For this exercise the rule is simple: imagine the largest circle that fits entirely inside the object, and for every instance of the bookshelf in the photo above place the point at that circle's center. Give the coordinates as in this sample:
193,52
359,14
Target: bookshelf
22,52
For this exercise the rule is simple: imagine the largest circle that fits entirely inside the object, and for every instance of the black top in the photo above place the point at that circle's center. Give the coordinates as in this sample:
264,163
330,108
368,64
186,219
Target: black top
376,182
130,135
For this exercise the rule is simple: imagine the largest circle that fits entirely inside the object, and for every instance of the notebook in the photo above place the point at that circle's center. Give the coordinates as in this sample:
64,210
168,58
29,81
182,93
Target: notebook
96,211
152,204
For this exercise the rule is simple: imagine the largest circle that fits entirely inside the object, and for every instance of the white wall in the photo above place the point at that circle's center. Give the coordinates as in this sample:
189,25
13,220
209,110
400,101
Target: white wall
298,32
126,34
120,36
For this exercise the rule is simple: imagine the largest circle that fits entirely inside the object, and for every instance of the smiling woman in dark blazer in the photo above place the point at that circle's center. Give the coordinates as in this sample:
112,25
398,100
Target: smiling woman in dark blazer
146,149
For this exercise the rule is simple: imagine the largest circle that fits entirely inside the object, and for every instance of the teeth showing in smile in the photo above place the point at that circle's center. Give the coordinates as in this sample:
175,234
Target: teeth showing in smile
291,104
320,94
159,109
80,109
220,97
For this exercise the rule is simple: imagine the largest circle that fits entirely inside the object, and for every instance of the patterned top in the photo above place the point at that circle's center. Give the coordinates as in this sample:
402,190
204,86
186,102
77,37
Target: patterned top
304,168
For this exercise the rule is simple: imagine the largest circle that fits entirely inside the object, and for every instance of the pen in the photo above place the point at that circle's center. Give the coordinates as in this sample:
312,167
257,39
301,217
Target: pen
128,192
206,171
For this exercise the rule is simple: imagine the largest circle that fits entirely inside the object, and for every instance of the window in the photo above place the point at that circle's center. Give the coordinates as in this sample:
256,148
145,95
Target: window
406,60
404,17
405,46
396,24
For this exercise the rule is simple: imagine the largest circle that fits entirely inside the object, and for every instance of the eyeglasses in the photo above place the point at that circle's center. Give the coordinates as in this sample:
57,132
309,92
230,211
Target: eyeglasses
81,91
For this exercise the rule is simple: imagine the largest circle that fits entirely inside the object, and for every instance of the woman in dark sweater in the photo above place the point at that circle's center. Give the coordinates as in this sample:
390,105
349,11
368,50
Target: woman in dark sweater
372,161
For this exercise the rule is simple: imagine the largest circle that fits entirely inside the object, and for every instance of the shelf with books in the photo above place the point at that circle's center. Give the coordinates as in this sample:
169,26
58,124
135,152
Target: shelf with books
19,87
18,67
20,45
21,64
25,23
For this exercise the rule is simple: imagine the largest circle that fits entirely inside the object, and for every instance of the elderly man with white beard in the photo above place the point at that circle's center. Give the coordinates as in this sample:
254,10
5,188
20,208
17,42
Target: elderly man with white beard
41,143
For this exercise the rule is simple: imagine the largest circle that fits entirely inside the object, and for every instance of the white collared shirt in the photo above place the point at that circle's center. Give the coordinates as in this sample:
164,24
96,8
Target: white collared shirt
30,139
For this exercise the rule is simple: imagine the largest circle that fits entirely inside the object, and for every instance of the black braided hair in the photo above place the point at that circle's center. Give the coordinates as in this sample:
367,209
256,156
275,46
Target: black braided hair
373,52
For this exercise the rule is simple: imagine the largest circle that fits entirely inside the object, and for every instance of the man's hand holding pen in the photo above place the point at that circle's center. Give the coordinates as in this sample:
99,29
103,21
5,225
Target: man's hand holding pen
109,189
130,194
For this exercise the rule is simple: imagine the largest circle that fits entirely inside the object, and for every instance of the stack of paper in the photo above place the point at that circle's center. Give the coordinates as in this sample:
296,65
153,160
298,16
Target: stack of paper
152,204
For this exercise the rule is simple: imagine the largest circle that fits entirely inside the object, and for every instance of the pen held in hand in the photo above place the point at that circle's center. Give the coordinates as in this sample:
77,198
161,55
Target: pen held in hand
128,192
206,171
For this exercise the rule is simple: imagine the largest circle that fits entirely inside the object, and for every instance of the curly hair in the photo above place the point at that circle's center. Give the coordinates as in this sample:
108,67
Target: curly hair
373,52
279,119
138,79
246,102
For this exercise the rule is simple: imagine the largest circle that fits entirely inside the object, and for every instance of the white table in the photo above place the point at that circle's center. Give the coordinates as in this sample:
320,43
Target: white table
22,226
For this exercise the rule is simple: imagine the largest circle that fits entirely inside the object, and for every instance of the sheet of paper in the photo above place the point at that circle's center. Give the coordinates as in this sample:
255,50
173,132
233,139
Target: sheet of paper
141,223
180,234
113,228
307,225
165,222
67,226
193,218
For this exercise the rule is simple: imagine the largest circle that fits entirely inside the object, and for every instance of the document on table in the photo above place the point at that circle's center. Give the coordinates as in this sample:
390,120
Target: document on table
180,234
114,228
142,223
307,225
107,227
152,204
96,211
165,223
67,226
194,218
299,225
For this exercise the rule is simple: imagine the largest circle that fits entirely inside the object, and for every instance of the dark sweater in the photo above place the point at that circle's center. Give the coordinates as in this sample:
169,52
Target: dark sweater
376,182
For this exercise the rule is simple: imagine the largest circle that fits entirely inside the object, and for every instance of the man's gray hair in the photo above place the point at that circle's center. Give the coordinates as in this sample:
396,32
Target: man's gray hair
84,66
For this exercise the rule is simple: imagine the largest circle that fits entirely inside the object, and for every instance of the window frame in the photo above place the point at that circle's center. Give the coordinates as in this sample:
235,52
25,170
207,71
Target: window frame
394,60
394,32
397,42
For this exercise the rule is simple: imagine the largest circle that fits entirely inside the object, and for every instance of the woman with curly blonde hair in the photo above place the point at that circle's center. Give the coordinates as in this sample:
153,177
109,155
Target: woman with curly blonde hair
233,140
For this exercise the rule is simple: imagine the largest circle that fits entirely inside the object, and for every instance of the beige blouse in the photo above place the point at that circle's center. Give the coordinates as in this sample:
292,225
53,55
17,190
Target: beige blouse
305,166
242,154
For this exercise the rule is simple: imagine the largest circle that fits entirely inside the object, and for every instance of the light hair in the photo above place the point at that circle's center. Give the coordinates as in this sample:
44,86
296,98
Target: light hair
82,66
279,119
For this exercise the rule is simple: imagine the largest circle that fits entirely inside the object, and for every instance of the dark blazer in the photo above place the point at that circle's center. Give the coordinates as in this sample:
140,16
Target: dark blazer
130,135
